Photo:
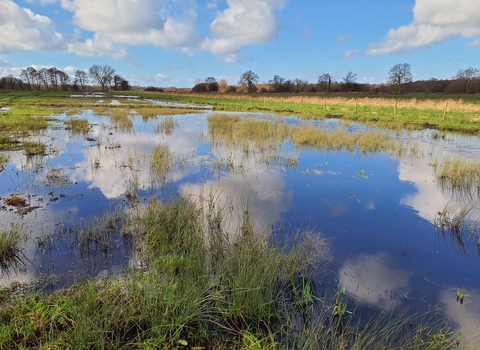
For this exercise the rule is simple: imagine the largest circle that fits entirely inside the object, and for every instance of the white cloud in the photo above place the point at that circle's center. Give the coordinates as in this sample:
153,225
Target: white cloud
116,16
434,22
242,23
349,54
136,22
98,46
345,38
24,30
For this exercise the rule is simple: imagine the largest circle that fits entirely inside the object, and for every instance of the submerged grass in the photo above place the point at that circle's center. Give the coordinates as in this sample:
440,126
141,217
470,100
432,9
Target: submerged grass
458,173
33,148
120,118
162,162
77,125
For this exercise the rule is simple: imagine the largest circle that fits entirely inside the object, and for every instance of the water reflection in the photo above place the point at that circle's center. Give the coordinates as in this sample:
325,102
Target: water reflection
378,212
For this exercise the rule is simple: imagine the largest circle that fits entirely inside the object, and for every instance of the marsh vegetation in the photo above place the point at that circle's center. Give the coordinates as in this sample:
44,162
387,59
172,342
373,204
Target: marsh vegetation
234,230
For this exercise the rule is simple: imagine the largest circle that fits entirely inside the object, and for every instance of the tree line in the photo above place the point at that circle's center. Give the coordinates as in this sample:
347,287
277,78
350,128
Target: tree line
400,80
55,79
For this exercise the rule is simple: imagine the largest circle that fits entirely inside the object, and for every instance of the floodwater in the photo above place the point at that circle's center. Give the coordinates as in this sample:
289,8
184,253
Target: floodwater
376,212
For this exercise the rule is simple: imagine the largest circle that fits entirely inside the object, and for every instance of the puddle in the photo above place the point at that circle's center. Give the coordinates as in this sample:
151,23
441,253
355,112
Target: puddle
377,212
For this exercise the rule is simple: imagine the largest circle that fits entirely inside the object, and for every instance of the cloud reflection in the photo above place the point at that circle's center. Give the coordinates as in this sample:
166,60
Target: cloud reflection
370,280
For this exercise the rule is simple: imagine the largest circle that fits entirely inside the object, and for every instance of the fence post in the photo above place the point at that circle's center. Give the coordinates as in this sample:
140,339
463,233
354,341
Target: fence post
395,108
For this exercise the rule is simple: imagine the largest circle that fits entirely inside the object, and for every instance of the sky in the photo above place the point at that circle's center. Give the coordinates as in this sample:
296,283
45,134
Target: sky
175,42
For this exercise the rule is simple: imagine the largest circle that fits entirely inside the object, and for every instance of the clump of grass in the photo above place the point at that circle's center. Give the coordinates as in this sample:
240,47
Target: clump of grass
162,163
100,110
166,125
16,201
100,235
458,173
32,148
151,112
309,136
10,251
77,125
3,161
120,119
244,130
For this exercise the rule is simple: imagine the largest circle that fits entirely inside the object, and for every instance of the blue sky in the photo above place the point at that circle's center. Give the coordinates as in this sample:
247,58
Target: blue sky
175,42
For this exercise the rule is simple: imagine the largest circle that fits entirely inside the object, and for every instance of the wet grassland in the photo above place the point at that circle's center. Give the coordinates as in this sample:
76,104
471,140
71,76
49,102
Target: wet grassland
206,269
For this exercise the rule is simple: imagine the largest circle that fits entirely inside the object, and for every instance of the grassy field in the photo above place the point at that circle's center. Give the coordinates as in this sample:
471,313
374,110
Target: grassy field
411,111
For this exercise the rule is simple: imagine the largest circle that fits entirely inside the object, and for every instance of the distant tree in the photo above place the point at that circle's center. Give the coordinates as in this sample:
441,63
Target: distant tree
349,81
120,83
399,74
467,77
64,79
249,79
43,78
300,85
222,85
325,80
81,79
277,83
102,75
212,84
26,79
53,77
200,87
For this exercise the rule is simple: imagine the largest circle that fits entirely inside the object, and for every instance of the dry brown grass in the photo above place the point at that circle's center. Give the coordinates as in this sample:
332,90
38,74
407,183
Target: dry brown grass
407,102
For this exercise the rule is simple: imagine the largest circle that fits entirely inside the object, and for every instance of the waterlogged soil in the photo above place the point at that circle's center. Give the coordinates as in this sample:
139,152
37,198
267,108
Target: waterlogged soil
378,213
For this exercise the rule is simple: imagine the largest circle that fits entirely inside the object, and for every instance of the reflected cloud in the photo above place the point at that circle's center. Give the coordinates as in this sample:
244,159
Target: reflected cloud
466,316
430,198
250,185
370,280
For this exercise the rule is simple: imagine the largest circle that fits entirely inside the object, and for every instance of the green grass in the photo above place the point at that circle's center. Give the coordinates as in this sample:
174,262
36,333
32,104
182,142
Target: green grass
420,110
10,251
162,162
3,161
33,148
77,125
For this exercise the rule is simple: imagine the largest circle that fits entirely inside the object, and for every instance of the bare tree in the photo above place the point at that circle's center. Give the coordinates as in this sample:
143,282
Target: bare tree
120,83
349,80
103,75
64,79
53,77
467,77
300,85
325,80
249,79
277,83
81,79
26,78
43,78
400,74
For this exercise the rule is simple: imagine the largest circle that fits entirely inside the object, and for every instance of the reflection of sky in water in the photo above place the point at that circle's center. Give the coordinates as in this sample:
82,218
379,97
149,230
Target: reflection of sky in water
376,212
